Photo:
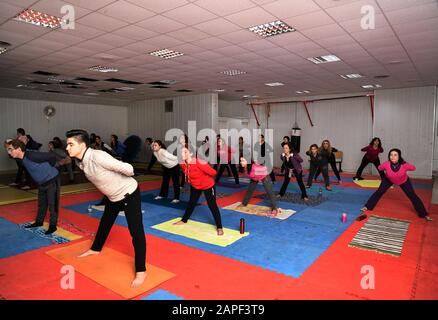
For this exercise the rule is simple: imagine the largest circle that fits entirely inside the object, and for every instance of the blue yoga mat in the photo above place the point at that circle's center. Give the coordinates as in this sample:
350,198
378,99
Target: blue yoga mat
288,246
16,240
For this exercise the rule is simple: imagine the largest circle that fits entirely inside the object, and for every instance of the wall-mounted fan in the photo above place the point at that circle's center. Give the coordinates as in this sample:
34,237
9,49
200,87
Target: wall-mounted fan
49,111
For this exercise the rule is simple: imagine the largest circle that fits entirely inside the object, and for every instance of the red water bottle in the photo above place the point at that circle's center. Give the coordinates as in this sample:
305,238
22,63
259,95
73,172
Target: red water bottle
242,226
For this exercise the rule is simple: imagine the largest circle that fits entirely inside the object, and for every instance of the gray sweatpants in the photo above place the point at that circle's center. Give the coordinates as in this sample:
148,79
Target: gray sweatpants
268,187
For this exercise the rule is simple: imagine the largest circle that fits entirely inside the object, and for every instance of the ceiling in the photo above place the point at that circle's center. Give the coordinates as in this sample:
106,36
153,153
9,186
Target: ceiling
214,37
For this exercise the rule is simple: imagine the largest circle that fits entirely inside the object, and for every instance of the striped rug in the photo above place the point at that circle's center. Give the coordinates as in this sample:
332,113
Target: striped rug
384,235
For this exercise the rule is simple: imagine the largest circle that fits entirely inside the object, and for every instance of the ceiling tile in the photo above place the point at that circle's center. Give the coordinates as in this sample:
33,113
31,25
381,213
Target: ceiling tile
101,22
188,34
159,6
135,32
225,7
283,9
160,24
251,17
126,11
217,27
190,14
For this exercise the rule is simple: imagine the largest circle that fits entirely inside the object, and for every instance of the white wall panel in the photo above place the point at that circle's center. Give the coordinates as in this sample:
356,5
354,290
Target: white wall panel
404,119
104,120
148,119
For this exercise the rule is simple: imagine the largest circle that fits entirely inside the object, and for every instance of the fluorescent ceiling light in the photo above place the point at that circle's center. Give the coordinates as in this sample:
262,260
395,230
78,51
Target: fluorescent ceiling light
274,84
103,69
247,96
271,29
324,59
125,88
166,54
39,19
169,82
302,91
232,72
217,90
91,93
371,86
351,76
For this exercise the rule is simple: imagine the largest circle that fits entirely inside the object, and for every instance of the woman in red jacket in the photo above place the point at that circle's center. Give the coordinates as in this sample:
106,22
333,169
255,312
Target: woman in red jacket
371,156
201,178
395,170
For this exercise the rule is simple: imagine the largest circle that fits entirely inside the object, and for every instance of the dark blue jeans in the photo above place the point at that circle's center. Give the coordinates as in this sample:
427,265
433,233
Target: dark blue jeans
407,189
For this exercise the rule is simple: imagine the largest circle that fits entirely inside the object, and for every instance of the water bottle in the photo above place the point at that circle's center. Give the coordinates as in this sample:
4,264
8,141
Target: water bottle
242,226
344,217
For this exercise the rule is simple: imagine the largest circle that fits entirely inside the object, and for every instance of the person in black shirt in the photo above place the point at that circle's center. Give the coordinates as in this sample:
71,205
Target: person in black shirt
326,148
319,160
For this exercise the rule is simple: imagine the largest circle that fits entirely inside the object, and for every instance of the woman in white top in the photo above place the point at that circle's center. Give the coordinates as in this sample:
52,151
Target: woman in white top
171,169
114,179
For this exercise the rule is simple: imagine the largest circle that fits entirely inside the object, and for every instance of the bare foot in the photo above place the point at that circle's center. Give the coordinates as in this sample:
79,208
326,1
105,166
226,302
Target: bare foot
179,223
138,280
306,199
220,232
89,253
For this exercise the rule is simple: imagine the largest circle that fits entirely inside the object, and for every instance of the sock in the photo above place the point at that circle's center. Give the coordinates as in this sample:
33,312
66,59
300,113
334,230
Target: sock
51,230
34,225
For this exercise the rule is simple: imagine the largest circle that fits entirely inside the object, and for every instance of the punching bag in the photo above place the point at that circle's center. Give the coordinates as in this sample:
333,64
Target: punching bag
295,138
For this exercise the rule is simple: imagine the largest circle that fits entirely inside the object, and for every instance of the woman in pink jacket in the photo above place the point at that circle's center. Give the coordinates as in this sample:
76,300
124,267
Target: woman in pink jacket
395,172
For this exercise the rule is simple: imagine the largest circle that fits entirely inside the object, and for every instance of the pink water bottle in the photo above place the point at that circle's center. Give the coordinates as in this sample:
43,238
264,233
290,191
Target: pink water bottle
344,217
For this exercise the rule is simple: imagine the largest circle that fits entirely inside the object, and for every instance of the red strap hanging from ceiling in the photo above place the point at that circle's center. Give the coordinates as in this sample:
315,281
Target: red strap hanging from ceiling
307,111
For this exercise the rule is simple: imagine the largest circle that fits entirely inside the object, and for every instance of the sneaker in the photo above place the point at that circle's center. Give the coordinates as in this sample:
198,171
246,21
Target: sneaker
25,188
158,198
13,184
34,225
328,188
98,208
50,230
175,201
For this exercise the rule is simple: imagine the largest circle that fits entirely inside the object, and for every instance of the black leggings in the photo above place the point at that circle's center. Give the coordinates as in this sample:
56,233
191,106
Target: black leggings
299,177
365,162
312,171
407,189
332,162
210,195
222,167
167,174
131,205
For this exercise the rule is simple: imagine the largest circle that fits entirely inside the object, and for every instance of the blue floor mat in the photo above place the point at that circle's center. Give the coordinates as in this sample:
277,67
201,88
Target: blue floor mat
161,294
16,240
40,231
287,246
